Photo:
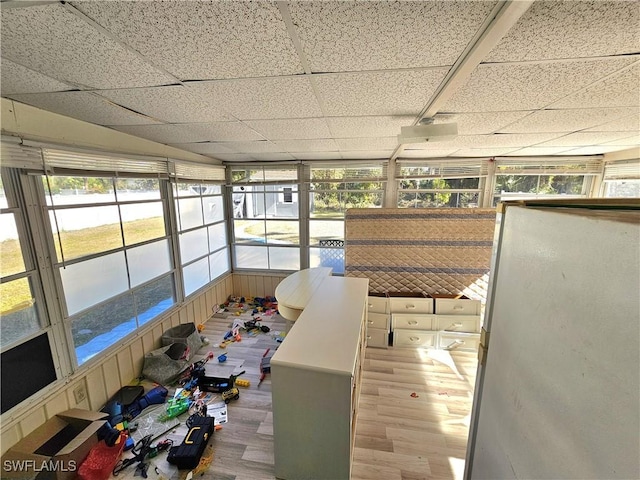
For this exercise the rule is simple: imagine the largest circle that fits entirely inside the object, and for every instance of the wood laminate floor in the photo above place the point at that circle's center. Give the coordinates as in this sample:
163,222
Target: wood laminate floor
413,418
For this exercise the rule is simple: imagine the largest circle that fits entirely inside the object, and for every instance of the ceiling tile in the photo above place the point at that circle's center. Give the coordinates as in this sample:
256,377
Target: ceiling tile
204,148
383,126
566,120
83,106
172,104
379,143
262,98
378,93
356,36
537,151
569,29
483,152
428,153
480,123
496,140
19,79
499,87
316,145
580,139
203,40
59,44
302,128
317,155
368,155
595,150
272,157
621,90
234,157
193,132
629,123
260,146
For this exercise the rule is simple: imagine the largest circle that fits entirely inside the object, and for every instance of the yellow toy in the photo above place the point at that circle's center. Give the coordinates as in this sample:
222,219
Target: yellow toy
241,382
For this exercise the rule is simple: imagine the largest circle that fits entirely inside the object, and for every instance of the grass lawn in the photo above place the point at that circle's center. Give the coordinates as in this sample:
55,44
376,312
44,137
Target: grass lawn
76,243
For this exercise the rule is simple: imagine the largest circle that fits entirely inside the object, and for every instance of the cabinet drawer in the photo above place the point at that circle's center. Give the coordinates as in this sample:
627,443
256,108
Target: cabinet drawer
458,323
414,338
377,304
403,321
378,320
457,306
467,342
377,337
411,305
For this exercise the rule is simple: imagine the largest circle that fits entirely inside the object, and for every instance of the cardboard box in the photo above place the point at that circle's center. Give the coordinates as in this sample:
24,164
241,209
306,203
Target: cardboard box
56,449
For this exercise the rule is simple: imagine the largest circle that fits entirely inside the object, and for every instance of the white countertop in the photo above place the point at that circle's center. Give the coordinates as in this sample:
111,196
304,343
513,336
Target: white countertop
294,292
325,336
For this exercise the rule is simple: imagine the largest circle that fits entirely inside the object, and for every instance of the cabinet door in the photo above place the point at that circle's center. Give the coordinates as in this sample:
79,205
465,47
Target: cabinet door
412,322
377,304
414,338
411,305
467,342
458,323
378,320
457,306
377,338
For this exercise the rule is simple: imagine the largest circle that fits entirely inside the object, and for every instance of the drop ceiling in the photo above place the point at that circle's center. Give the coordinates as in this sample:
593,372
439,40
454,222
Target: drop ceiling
328,80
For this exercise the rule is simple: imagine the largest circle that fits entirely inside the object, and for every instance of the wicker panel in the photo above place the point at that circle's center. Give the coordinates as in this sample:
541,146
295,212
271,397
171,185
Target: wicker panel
446,251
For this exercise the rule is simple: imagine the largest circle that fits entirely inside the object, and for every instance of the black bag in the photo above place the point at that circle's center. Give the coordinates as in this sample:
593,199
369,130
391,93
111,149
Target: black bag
187,455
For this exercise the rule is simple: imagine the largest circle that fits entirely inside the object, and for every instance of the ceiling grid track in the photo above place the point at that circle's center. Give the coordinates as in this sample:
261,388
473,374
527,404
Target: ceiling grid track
504,16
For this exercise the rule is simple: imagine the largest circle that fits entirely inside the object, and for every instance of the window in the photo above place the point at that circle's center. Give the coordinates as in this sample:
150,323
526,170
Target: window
113,253
333,190
19,302
25,335
202,233
266,224
440,183
622,179
544,178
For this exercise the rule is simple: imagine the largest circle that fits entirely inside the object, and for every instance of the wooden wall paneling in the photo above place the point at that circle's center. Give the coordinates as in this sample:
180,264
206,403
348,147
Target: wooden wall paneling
33,420
56,404
9,436
112,380
253,286
125,367
137,356
148,342
96,392
157,334
204,311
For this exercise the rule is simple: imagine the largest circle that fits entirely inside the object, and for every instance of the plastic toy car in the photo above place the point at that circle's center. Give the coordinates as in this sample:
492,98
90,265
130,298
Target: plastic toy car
231,394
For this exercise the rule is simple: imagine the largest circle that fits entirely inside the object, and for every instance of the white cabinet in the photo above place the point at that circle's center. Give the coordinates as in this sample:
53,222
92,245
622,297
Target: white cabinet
455,324
378,321
315,381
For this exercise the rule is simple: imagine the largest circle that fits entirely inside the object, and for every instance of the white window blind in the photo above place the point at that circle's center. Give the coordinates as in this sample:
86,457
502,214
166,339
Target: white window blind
348,172
77,160
549,166
267,175
182,170
622,170
18,156
446,168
